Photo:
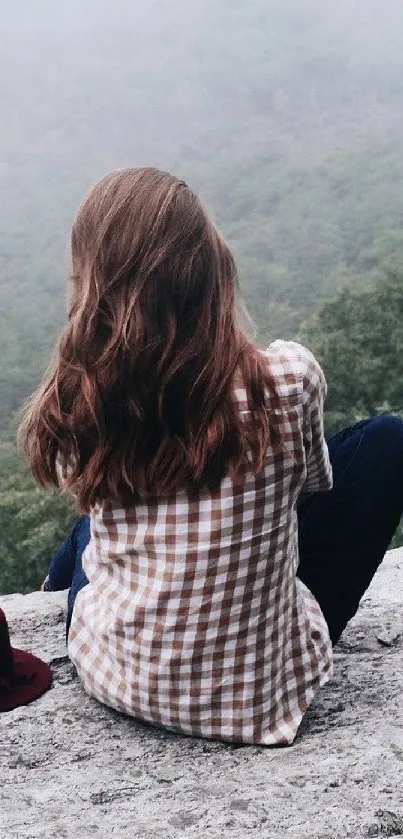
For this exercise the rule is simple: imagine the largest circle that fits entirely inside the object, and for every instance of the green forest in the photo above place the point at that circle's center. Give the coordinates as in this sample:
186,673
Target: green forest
287,118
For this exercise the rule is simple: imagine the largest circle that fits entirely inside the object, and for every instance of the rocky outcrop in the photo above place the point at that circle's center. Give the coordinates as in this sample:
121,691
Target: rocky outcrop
71,768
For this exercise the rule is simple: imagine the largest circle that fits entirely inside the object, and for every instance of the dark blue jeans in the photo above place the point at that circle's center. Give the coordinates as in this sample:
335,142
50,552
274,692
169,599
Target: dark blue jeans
343,534
65,569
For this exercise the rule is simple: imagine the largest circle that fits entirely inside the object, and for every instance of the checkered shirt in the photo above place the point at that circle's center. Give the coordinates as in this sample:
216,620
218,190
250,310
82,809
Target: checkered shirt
194,617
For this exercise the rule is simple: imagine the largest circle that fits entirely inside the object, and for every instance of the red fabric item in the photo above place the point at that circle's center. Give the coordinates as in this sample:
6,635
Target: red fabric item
23,676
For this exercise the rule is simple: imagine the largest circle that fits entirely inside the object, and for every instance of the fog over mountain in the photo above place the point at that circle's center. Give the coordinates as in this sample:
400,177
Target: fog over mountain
286,116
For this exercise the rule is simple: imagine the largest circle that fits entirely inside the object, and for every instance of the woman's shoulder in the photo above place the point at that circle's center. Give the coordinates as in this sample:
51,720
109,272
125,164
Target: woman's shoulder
292,366
291,354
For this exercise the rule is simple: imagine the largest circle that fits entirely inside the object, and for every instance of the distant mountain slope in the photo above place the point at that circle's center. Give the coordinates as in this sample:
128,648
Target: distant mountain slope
287,117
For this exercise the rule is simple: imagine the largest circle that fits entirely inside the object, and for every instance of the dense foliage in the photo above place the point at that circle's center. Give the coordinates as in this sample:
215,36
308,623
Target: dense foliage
287,117
358,338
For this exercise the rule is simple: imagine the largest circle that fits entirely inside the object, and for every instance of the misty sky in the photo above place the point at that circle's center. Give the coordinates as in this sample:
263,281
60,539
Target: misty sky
91,85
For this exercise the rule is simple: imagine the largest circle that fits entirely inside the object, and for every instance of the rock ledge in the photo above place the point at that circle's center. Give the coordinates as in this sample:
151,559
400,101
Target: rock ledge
70,767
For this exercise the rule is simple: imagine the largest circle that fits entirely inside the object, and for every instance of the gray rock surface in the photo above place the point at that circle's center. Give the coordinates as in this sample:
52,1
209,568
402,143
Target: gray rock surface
70,767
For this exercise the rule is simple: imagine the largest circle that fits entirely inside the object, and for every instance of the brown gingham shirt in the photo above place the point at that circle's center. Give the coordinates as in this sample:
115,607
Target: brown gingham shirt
194,617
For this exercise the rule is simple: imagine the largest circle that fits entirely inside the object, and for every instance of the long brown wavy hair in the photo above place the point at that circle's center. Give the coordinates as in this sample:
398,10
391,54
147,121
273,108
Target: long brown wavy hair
139,399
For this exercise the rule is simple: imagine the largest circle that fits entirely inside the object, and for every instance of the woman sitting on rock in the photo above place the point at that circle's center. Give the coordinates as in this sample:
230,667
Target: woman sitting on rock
212,569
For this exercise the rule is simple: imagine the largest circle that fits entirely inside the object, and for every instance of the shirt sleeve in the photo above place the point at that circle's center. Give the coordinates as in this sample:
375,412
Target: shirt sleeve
314,388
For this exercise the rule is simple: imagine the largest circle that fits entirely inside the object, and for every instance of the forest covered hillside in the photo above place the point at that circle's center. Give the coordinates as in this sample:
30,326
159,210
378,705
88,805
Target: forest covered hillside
286,117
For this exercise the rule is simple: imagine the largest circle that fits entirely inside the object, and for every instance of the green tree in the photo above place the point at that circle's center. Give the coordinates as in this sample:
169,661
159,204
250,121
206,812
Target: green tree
32,525
358,338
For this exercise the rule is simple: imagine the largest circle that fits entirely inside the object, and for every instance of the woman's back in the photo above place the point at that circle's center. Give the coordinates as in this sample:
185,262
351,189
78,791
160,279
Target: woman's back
189,450
194,617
